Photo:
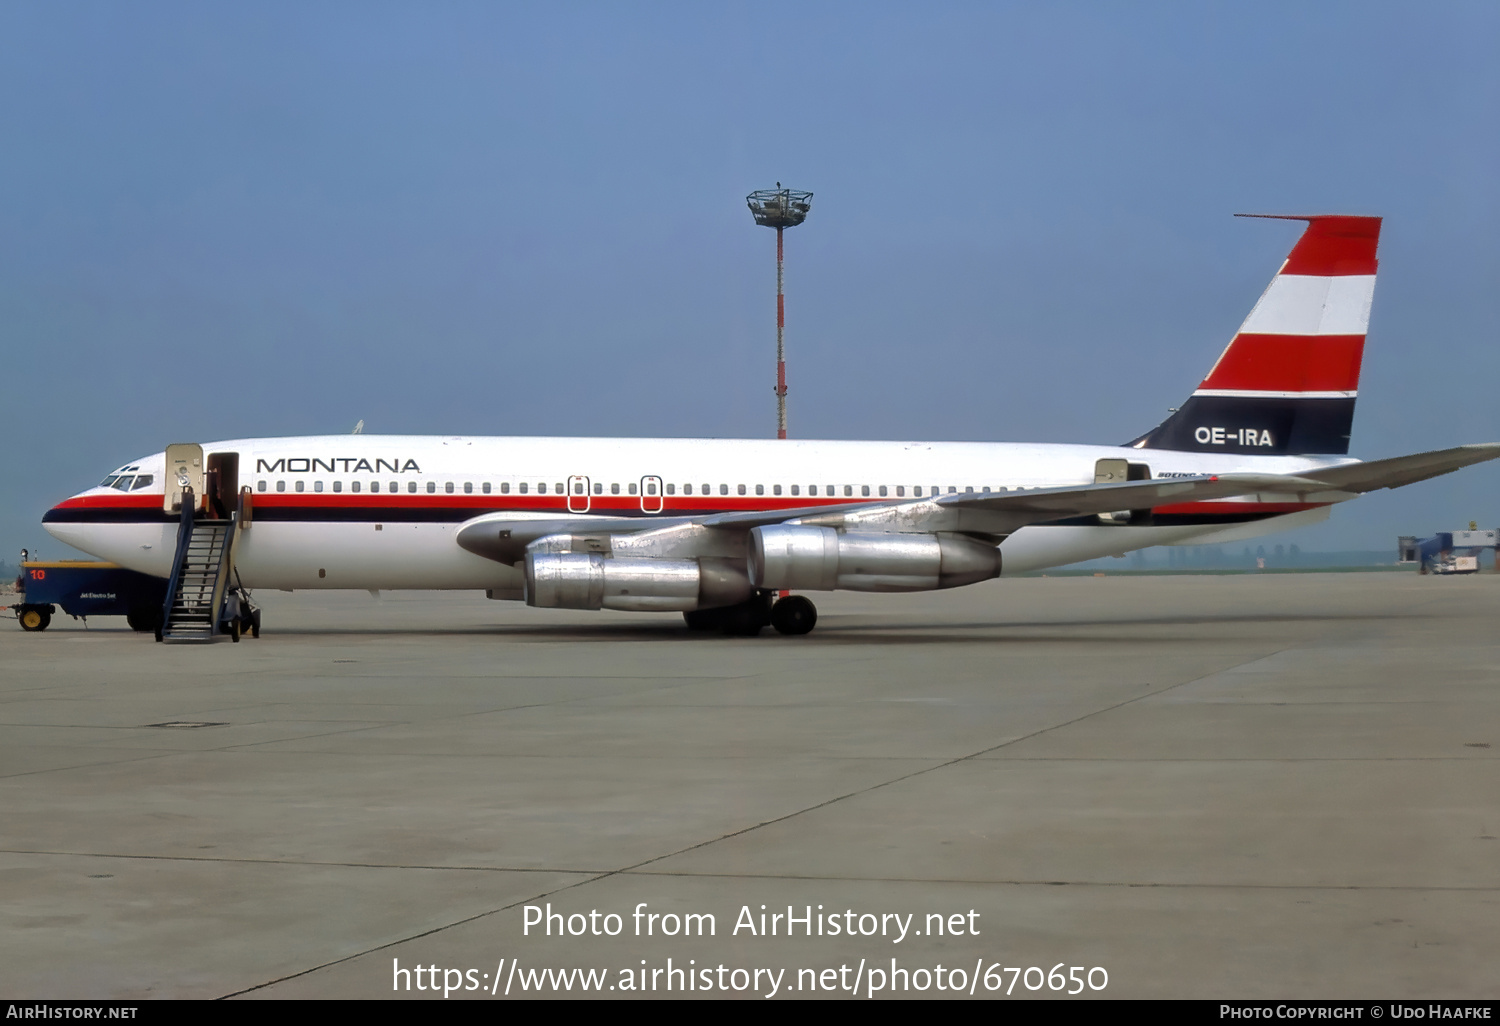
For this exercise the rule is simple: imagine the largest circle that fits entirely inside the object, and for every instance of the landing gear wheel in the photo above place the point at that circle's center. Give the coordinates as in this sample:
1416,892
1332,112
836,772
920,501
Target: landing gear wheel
743,621
746,619
234,630
794,615
703,619
255,624
34,619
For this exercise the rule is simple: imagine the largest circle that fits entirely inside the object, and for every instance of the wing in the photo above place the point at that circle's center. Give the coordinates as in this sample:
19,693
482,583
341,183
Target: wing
504,537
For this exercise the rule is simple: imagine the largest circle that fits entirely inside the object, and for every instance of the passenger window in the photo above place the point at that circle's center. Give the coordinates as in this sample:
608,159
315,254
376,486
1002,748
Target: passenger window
632,488
671,489
651,488
504,487
411,488
760,489
354,486
614,489
917,491
317,486
338,486
742,489
524,486
468,487
144,481
395,487
558,488
794,489
687,489
882,491
864,489
260,486
281,486
598,488
830,490
541,488
297,486
448,487
431,487
707,490
900,491
968,489
723,489
776,489
374,487
485,488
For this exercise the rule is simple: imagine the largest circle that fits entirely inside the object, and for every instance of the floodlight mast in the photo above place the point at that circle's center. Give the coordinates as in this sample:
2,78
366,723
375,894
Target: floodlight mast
781,209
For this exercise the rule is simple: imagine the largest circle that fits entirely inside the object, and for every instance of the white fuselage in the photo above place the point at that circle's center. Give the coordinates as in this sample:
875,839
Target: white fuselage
382,512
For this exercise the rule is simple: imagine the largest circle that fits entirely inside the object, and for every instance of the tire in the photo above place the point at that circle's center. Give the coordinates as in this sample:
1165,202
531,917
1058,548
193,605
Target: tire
234,630
704,619
255,624
144,618
34,619
746,619
794,615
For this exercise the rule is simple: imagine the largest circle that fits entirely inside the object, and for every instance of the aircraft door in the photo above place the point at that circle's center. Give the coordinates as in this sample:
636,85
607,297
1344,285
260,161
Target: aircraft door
1116,471
578,494
184,470
1111,471
222,483
652,500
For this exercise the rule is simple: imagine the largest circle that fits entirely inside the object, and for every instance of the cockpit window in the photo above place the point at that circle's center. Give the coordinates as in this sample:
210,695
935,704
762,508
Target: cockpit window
109,481
142,481
122,483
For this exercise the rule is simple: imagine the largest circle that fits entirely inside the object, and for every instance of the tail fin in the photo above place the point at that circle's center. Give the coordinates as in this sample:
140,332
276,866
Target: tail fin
1286,384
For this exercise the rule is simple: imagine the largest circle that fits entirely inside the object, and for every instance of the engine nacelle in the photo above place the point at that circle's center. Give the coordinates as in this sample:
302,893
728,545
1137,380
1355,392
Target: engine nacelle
589,580
821,559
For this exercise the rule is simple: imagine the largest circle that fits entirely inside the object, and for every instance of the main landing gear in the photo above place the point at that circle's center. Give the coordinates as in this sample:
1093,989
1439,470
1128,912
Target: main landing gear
792,615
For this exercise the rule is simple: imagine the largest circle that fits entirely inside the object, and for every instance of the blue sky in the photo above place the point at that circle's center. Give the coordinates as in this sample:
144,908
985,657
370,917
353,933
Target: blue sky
243,220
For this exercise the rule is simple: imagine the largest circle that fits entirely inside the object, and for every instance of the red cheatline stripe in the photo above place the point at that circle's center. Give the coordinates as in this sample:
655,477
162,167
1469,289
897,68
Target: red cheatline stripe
1335,246
601,504
144,500
1290,363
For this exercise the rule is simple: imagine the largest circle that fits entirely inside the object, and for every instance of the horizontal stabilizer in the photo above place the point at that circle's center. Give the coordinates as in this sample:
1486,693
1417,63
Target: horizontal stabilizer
1404,470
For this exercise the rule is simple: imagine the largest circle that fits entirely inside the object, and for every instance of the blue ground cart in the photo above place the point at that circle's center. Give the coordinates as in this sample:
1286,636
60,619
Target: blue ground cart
83,588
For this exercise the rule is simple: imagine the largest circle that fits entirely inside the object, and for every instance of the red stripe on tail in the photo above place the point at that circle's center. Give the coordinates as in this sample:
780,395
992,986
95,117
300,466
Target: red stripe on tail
1290,363
1335,245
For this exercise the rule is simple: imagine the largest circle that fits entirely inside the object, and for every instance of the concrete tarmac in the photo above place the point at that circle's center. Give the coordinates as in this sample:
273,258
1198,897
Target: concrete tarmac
1220,787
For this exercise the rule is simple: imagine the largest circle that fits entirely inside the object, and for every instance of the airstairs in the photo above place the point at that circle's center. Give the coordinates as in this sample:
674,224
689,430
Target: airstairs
200,603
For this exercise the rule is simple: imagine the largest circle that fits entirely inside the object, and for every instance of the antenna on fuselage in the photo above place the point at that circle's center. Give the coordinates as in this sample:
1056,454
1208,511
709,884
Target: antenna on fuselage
359,429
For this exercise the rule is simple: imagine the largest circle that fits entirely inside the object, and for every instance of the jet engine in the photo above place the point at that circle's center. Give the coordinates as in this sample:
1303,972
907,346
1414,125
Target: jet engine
590,580
823,559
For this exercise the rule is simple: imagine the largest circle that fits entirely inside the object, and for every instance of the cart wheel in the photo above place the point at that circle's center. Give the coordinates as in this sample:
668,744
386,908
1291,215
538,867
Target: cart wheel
144,618
34,619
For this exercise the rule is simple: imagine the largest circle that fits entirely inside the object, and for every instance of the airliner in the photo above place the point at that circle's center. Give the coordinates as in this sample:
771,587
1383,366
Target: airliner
731,533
